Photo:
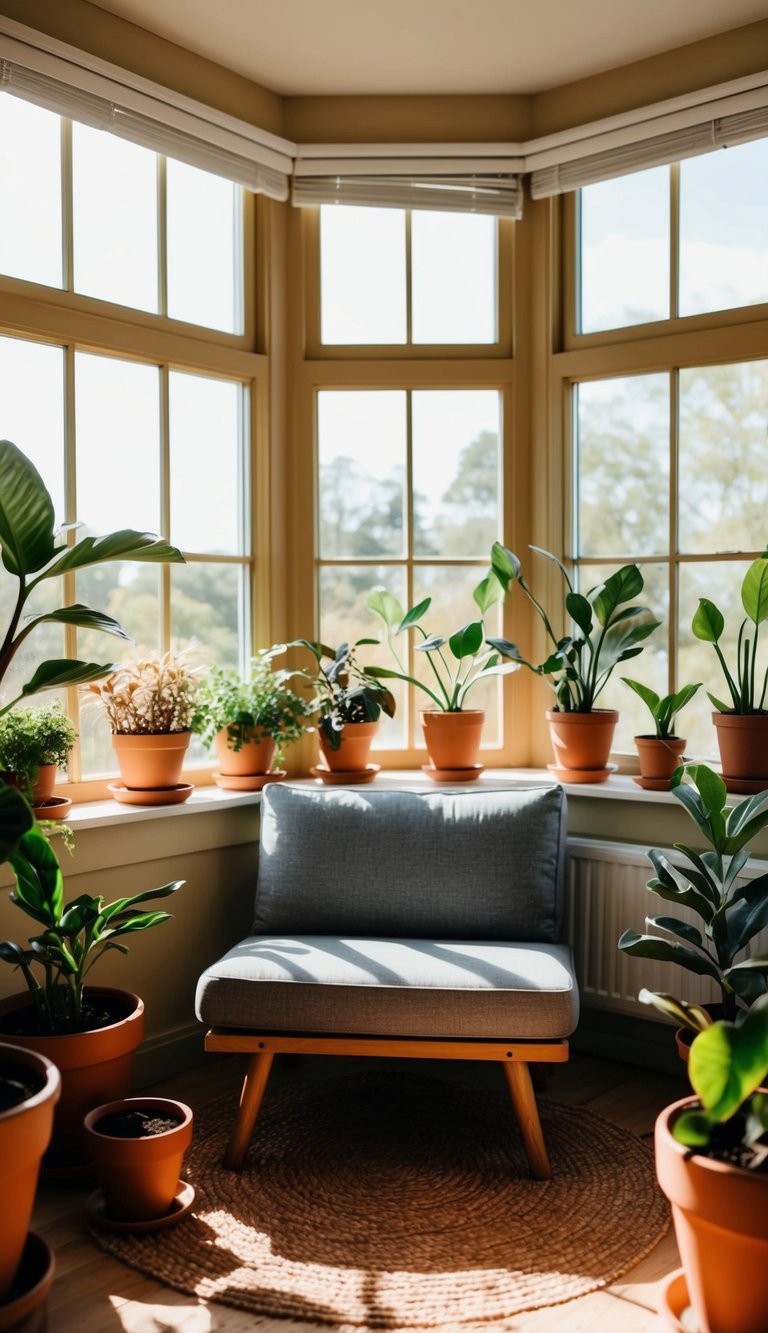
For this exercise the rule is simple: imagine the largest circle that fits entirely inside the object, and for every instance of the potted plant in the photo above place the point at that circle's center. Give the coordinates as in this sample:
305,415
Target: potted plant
732,910
452,732
34,744
712,1164
348,701
150,705
580,663
250,720
741,724
138,1144
661,753
90,1033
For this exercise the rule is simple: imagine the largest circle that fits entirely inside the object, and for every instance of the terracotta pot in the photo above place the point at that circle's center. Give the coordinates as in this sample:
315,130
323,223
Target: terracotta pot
95,1066
582,741
44,786
151,762
453,739
139,1177
743,742
25,1131
254,756
720,1214
659,758
352,754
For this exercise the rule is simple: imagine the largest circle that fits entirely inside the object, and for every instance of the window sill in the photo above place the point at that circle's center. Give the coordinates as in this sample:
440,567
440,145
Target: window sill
204,800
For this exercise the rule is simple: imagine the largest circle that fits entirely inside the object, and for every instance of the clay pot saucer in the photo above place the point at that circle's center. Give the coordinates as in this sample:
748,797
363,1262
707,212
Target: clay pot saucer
453,774
582,774
654,784
95,1212
55,807
745,786
31,1284
247,781
352,777
151,795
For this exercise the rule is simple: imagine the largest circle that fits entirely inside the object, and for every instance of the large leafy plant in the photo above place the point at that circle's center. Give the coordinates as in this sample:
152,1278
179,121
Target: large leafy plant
607,631
344,690
72,936
261,702
746,686
732,910
458,662
32,554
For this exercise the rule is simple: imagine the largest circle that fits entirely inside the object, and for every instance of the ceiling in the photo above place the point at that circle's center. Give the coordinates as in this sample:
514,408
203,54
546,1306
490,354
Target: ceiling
307,47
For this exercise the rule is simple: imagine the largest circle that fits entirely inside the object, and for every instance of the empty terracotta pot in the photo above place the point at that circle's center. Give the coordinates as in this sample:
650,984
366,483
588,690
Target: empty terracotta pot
352,754
582,740
254,756
139,1177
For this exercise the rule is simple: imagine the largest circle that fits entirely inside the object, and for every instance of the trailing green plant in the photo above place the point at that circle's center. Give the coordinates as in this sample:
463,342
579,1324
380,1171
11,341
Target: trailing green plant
663,710
344,691
30,737
262,701
457,663
73,936
32,554
746,688
607,631
732,910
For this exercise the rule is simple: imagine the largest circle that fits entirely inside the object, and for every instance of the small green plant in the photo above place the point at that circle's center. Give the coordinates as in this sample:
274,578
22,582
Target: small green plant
747,689
663,710
468,659
260,702
344,691
72,936
30,737
580,664
733,910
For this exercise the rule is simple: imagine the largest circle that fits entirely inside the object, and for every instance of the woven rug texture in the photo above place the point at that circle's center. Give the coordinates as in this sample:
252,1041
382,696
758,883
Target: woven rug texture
383,1200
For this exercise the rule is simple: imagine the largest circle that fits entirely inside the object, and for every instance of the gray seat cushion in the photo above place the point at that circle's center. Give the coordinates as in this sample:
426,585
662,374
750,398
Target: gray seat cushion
392,987
472,864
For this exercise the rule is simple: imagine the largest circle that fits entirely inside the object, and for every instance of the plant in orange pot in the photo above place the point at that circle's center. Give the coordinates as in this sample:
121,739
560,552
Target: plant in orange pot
660,753
34,743
348,702
580,663
250,720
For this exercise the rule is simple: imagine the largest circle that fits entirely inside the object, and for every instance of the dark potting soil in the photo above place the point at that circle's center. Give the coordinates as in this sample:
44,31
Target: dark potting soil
136,1124
17,1083
100,1012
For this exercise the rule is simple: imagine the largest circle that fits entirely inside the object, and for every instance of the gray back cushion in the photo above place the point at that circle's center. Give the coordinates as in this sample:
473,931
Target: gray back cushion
474,864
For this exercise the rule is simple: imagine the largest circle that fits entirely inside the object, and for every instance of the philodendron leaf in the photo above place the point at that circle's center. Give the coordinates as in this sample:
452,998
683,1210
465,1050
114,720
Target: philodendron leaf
15,819
667,951
413,616
708,623
383,604
648,696
487,593
124,545
83,617
580,611
26,513
727,1062
620,587
65,671
465,642
754,590
504,564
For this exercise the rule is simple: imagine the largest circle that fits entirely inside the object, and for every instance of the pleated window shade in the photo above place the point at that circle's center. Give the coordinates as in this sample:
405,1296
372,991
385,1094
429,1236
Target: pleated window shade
444,188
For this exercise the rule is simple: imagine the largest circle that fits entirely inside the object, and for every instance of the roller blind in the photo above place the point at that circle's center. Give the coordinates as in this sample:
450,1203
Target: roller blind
448,185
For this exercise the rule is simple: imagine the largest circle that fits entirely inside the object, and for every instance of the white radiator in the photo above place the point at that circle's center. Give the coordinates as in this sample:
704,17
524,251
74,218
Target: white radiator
606,895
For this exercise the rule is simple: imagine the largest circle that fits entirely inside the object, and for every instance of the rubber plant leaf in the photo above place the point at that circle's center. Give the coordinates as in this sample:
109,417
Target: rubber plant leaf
466,641
124,545
708,623
384,605
26,514
81,616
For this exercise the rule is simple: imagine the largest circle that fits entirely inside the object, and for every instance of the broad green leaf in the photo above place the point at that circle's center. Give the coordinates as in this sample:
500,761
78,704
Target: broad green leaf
124,545
708,623
465,642
621,637
620,587
678,701
487,593
413,616
745,812
688,1015
648,696
693,1128
754,591
39,884
748,914
431,644
16,819
727,1063
384,605
123,904
711,788
83,617
26,514
580,611
675,926
718,703
63,671
504,564
667,951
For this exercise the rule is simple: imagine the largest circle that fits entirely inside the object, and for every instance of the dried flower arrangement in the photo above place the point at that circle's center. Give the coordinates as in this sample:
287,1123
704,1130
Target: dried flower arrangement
149,697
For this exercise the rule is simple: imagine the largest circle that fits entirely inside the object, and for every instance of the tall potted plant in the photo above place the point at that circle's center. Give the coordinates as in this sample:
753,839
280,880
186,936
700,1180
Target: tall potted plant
742,723
150,705
348,702
250,720
660,752
34,744
90,1033
452,731
580,663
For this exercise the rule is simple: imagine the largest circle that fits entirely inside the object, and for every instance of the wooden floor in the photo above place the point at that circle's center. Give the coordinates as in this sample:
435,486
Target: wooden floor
93,1293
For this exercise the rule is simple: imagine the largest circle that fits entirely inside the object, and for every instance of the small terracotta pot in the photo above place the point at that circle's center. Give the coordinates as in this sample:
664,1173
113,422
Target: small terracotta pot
453,739
42,789
659,758
139,1177
151,762
254,756
94,1066
352,754
720,1214
743,742
582,740
25,1131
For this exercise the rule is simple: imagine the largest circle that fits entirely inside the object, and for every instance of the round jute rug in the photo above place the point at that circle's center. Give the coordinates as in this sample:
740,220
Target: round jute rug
384,1200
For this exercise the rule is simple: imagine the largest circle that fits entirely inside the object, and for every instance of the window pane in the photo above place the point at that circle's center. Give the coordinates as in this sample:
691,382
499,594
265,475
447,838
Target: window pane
115,219
450,588
30,177
651,667
45,642
32,408
206,501
344,618
204,258
453,258
207,610
625,251
455,472
362,467
723,489
724,229
362,275
118,444
622,449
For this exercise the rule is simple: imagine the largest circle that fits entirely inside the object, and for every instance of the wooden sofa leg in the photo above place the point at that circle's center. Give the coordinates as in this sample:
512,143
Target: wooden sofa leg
527,1114
254,1086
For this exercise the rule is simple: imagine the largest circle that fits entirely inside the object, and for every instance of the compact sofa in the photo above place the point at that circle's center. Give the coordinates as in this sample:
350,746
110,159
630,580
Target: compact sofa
401,923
